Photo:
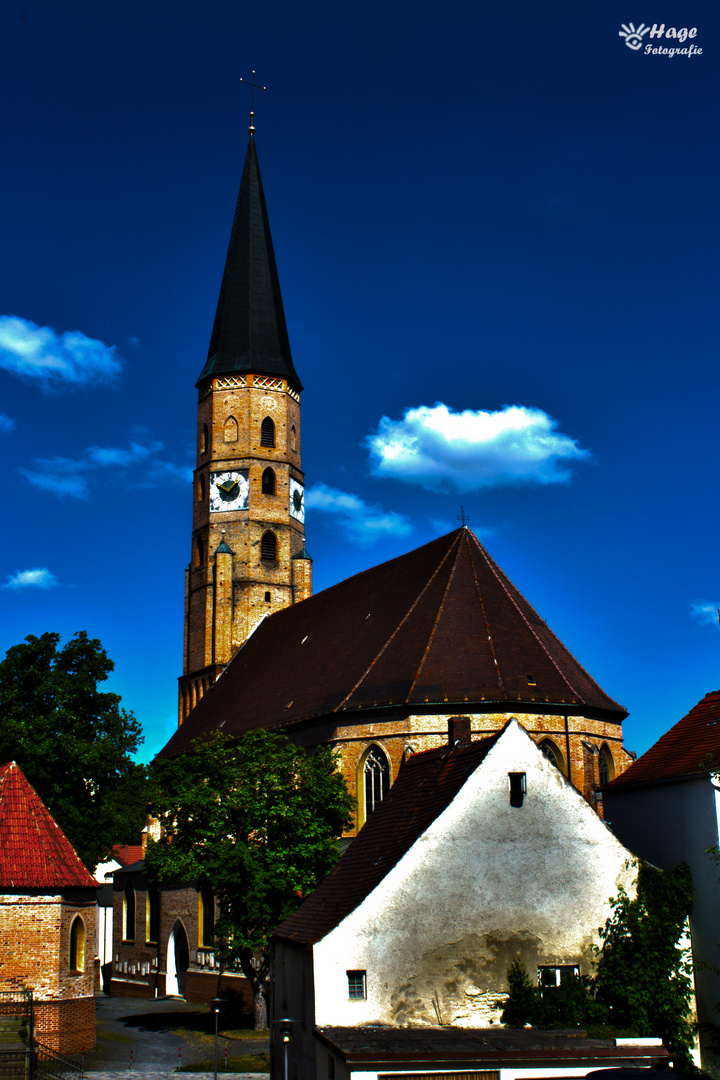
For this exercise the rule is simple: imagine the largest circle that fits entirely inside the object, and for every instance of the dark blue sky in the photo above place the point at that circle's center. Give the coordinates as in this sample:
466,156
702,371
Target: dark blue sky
475,206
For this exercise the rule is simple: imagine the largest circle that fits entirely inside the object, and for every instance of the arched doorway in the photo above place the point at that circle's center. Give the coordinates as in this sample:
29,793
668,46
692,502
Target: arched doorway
178,959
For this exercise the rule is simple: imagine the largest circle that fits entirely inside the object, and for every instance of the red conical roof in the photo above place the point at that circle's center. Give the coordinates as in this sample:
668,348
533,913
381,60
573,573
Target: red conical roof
34,851
439,625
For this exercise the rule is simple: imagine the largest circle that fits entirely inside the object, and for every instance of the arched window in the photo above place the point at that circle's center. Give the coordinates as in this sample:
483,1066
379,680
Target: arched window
376,779
204,439
554,754
201,488
268,482
267,432
606,765
206,917
152,915
268,546
128,926
199,551
230,431
76,959
293,438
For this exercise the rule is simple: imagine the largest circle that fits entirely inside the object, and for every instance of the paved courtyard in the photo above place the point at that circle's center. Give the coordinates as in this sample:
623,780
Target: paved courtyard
154,1037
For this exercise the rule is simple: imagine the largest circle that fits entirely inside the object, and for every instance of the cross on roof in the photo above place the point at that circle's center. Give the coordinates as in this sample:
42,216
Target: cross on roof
253,87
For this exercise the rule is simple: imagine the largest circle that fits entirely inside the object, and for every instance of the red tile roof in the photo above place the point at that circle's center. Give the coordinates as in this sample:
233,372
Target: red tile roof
34,851
427,783
690,748
440,624
127,854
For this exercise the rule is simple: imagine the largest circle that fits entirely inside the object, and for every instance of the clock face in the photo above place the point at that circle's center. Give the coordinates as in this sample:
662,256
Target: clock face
297,500
229,490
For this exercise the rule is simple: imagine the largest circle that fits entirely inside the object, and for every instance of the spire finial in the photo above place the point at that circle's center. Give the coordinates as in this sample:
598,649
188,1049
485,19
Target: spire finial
254,86
462,516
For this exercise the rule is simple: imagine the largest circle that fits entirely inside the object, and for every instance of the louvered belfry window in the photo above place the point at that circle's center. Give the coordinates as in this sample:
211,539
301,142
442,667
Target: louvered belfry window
267,432
377,779
268,546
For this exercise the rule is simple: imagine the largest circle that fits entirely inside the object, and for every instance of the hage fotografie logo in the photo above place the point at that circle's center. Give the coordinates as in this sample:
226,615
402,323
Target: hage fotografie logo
634,39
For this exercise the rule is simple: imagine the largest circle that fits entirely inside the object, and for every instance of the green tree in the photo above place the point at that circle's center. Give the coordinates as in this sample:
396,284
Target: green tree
643,977
73,742
257,821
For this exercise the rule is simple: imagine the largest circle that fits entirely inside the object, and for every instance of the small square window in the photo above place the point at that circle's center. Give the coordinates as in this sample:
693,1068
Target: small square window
357,985
555,976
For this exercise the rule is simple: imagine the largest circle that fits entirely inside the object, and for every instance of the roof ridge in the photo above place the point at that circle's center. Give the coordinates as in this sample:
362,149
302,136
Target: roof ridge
397,629
499,577
438,613
487,625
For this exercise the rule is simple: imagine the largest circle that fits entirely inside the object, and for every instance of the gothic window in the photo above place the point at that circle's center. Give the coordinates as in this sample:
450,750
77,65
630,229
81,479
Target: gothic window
268,482
230,431
77,945
268,546
267,432
204,439
293,438
376,778
152,915
206,913
553,754
199,551
201,488
606,765
128,923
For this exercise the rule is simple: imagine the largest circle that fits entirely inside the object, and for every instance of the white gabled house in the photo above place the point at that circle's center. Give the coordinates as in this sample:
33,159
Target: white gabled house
479,854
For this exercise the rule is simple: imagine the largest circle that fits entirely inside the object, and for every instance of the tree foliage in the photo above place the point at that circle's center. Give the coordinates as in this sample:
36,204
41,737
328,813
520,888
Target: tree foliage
73,742
642,984
259,822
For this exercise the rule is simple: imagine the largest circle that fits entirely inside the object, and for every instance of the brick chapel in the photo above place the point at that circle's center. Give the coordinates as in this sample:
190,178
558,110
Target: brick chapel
380,666
47,919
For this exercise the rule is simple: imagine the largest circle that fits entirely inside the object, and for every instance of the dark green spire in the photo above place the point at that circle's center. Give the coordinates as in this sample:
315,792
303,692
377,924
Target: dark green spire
249,333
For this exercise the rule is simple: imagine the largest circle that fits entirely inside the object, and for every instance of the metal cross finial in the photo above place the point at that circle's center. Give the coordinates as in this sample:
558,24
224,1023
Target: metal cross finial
254,86
462,517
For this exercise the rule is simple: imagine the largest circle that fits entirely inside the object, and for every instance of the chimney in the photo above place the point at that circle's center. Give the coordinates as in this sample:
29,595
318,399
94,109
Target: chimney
459,731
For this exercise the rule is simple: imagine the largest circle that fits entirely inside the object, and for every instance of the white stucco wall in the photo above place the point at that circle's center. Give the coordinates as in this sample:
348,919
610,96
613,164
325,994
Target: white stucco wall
485,883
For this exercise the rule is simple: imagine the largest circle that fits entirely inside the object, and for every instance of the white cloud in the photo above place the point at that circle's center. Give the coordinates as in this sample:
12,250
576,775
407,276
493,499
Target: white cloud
6,422
362,523
463,451
72,476
38,578
111,455
40,354
705,611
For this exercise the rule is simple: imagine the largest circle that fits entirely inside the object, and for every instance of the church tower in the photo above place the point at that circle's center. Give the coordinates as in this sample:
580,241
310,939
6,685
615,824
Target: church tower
248,534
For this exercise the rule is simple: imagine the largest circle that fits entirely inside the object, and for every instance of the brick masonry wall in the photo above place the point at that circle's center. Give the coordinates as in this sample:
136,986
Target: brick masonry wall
35,954
139,966
414,733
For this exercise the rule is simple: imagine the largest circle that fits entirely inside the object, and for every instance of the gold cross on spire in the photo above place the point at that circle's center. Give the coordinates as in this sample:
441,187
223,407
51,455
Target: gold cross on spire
254,86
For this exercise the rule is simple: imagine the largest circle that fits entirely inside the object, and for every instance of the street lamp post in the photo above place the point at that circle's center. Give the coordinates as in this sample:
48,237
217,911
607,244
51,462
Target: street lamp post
286,1035
215,1005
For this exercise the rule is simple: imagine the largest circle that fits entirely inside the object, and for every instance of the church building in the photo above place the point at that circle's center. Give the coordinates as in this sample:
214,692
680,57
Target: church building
378,665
